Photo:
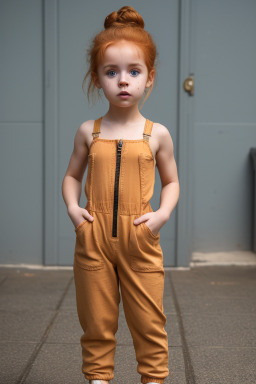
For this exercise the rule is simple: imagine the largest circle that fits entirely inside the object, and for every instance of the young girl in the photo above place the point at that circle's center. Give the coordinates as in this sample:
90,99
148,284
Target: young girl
117,233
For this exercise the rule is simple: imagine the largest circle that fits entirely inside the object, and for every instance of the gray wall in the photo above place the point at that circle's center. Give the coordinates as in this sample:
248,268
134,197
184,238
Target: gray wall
223,122
21,132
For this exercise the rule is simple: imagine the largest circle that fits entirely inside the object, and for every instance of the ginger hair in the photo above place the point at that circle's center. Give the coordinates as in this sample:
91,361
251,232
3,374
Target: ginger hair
125,24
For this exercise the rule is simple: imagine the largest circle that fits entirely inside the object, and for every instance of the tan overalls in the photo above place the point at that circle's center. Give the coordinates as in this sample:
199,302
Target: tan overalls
112,250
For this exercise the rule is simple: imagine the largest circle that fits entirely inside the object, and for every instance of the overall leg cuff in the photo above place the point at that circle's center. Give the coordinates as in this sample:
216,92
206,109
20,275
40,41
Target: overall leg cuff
105,377
147,379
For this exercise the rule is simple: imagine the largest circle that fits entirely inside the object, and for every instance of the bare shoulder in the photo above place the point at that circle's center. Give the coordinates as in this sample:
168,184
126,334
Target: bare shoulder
162,136
86,127
85,130
160,129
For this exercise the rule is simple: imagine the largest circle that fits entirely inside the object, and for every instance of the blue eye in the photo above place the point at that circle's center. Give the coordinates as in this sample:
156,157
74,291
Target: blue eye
134,70
109,72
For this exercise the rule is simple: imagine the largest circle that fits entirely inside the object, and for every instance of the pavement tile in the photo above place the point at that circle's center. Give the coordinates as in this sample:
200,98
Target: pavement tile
211,324
23,325
13,360
224,365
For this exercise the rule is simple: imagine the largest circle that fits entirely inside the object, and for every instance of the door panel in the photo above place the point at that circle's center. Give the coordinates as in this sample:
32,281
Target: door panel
225,124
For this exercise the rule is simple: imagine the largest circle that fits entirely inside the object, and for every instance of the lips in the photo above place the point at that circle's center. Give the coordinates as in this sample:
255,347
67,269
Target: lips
124,93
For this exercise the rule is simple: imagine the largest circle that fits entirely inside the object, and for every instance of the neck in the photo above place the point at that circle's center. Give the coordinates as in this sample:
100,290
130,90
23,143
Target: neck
123,115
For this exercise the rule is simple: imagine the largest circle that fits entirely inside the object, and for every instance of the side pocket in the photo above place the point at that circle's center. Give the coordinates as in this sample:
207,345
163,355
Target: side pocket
80,225
145,252
87,253
155,237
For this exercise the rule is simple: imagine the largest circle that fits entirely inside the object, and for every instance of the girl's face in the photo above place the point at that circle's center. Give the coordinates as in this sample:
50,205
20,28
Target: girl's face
123,69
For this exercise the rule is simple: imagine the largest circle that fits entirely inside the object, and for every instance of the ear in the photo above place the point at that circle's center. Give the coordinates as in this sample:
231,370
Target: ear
151,78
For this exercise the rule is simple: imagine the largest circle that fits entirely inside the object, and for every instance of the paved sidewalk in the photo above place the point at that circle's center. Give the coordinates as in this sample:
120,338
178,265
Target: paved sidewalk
211,326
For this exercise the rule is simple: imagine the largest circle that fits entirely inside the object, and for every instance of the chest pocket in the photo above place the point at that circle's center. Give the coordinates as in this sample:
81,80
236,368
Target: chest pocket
147,177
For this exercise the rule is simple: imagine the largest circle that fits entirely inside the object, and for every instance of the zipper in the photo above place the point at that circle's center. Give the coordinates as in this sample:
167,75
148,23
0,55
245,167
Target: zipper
116,189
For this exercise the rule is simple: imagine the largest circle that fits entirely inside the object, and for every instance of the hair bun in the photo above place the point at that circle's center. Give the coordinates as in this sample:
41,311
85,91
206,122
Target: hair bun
126,16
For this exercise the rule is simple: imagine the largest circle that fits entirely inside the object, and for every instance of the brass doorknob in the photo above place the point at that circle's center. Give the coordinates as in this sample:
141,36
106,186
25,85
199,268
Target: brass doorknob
188,85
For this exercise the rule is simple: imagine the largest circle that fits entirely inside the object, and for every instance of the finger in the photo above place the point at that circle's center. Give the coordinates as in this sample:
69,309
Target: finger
140,220
88,216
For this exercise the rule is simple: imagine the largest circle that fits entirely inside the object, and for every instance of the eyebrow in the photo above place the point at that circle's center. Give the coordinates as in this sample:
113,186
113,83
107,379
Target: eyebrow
130,65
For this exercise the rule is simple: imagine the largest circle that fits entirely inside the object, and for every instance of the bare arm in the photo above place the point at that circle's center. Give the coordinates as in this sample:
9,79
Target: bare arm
72,182
167,168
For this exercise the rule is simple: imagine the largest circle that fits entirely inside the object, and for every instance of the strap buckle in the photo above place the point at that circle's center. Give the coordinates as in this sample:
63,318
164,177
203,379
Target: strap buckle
146,136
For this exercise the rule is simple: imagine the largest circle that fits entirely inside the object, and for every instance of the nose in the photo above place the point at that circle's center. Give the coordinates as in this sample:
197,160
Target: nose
123,80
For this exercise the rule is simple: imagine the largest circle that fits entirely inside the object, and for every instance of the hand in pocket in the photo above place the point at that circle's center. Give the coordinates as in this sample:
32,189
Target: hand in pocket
79,215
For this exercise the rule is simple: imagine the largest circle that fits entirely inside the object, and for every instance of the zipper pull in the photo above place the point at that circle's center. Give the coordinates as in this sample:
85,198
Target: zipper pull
120,143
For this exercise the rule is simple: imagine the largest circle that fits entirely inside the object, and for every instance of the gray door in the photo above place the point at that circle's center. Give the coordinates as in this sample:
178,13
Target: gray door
224,62
76,23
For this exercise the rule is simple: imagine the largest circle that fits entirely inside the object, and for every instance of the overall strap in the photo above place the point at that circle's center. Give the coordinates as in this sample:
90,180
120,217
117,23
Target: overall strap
96,128
147,129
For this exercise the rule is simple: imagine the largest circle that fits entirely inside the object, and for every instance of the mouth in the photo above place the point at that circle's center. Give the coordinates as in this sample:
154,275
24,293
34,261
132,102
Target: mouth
124,93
